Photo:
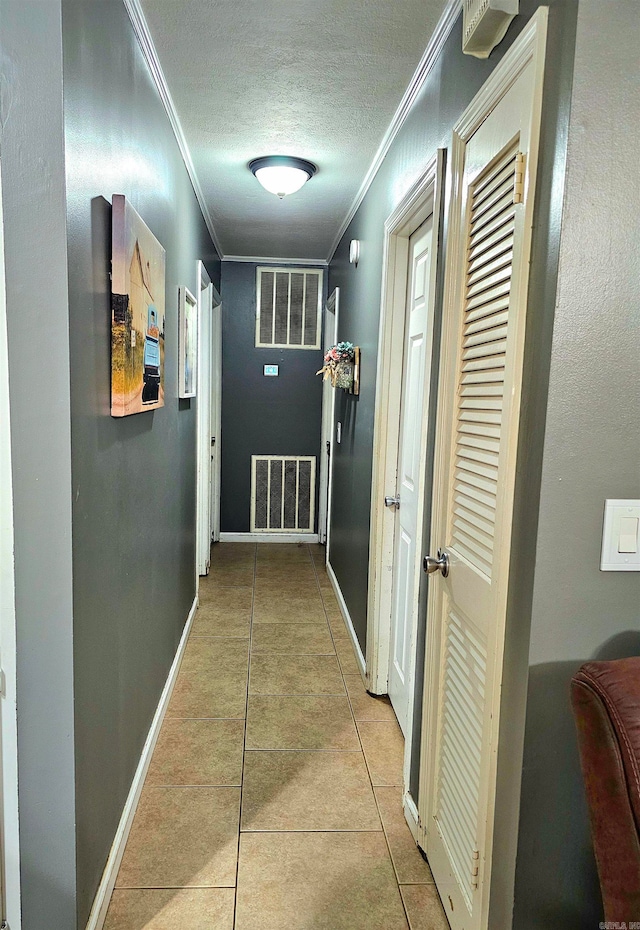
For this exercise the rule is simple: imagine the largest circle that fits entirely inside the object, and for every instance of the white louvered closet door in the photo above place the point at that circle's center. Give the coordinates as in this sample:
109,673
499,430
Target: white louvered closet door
478,415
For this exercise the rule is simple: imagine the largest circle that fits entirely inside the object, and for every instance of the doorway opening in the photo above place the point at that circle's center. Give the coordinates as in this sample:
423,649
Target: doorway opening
209,403
330,337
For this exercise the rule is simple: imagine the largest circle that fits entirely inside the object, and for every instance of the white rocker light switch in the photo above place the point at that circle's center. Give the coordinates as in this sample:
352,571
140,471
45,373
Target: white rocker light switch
620,537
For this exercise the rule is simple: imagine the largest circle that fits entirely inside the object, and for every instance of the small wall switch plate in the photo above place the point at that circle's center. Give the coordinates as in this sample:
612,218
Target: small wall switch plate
621,536
338,432
271,371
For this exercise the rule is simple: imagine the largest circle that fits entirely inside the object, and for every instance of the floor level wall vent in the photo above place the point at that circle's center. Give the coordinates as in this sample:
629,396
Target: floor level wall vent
283,493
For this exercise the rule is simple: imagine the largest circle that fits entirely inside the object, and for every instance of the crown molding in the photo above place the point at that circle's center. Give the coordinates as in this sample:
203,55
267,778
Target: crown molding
141,29
260,260
436,43
441,33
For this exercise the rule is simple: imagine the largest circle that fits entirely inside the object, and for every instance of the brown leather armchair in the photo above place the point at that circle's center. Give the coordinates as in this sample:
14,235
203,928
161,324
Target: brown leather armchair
606,706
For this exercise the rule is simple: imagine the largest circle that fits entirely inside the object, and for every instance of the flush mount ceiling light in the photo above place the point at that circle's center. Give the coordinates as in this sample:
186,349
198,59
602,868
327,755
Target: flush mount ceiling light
282,174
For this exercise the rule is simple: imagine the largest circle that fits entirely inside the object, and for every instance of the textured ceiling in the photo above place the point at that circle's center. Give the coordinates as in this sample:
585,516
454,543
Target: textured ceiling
320,80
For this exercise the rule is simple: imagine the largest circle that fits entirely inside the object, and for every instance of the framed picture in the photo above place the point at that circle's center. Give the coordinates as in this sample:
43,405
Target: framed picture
137,313
187,343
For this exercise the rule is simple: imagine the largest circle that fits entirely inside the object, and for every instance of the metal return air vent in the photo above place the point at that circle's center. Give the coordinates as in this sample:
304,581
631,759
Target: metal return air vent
283,493
289,310
484,25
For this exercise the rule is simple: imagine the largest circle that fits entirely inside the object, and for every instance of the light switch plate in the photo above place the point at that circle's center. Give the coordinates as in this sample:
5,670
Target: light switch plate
620,536
338,432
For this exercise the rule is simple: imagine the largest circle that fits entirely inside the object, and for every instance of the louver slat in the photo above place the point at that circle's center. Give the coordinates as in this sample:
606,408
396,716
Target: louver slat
489,308
493,231
460,757
483,351
493,203
494,176
497,319
480,475
502,255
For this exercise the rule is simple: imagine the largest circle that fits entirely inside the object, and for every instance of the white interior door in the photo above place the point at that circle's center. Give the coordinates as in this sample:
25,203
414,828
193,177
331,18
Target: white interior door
216,415
203,531
328,408
409,489
475,464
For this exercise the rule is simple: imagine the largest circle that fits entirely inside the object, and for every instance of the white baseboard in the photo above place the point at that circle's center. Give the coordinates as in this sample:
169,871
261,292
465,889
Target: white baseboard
362,665
103,896
270,537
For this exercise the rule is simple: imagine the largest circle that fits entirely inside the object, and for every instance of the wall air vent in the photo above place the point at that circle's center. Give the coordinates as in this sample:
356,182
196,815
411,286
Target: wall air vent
484,25
283,493
289,308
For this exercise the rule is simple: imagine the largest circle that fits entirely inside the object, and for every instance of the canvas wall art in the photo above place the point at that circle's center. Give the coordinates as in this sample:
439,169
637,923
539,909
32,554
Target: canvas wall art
137,313
187,343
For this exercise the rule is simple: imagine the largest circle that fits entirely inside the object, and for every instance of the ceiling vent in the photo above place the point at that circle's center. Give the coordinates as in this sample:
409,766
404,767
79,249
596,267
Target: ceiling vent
484,25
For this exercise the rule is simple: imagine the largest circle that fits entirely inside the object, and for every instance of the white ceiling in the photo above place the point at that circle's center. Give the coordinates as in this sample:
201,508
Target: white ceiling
320,79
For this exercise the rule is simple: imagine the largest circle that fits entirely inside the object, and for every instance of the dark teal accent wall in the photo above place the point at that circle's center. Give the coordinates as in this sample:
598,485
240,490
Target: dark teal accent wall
260,415
133,478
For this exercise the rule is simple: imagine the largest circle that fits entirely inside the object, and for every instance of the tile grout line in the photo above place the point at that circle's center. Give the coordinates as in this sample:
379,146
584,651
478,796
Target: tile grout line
244,736
384,831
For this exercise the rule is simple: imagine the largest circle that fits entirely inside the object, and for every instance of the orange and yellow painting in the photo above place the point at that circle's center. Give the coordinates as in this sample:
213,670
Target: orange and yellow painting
137,313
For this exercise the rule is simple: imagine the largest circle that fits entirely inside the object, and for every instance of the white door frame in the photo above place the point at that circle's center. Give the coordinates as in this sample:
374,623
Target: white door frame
424,199
327,428
216,411
10,905
420,202
203,428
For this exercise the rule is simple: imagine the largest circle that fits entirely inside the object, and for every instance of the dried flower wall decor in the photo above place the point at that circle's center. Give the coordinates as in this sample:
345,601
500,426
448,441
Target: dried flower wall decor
342,367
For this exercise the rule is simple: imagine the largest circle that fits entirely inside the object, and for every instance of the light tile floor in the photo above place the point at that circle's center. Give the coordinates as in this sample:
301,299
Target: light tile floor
273,800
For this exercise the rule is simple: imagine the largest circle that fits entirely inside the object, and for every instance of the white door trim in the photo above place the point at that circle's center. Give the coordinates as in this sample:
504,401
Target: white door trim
328,425
10,898
216,411
335,296
203,425
422,200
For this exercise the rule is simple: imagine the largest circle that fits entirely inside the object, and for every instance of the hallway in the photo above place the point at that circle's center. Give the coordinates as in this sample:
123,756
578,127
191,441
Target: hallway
273,798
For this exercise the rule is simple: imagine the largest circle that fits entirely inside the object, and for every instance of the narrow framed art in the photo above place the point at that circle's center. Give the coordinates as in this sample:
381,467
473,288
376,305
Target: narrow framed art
137,313
187,343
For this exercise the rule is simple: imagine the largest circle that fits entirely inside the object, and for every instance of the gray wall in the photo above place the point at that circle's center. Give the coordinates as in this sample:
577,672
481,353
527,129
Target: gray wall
38,336
133,478
591,452
260,415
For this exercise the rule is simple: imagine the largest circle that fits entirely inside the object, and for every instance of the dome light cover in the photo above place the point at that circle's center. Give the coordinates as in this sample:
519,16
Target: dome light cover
282,174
